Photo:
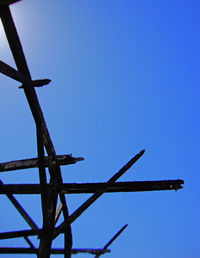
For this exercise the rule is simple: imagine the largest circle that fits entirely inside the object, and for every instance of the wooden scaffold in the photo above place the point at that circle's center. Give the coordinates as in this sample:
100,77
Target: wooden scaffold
55,188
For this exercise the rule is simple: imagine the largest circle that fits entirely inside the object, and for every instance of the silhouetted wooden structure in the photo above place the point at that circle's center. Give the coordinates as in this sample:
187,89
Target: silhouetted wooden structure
50,191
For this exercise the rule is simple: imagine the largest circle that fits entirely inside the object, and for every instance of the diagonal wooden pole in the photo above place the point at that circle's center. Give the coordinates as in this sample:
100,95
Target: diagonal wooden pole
29,242
96,195
11,72
21,210
112,240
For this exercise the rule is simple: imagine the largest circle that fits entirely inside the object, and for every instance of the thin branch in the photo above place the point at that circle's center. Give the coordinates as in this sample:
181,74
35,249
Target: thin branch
29,242
21,210
112,239
115,236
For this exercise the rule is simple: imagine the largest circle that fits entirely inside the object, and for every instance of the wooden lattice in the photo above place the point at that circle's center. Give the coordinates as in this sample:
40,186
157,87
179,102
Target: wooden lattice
50,191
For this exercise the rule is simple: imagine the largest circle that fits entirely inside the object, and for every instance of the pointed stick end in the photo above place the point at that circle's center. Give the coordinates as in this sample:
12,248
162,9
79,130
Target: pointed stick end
140,154
124,227
137,156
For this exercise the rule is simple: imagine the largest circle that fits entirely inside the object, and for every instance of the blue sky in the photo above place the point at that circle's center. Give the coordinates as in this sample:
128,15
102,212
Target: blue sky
125,77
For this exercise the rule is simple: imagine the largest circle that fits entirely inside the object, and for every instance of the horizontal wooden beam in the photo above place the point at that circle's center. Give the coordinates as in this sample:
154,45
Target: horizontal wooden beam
20,233
84,188
32,163
20,250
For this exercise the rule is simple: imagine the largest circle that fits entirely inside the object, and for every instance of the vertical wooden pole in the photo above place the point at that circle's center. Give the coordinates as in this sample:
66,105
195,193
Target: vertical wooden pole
49,201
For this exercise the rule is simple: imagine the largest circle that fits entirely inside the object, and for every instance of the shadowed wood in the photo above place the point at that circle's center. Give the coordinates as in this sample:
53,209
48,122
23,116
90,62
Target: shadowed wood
8,2
81,188
21,210
37,83
18,55
32,163
11,72
50,191
13,250
54,168
20,233
45,243
29,242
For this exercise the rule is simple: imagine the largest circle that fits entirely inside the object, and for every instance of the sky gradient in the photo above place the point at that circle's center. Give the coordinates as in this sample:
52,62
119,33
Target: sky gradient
125,77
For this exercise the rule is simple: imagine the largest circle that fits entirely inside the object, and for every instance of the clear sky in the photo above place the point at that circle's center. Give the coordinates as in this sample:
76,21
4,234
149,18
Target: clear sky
125,77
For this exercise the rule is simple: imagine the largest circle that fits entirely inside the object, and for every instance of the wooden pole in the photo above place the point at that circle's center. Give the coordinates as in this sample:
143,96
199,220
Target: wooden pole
18,55
45,240
21,210
33,163
29,242
112,239
86,188
11,72
19,250
96,195
20,233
